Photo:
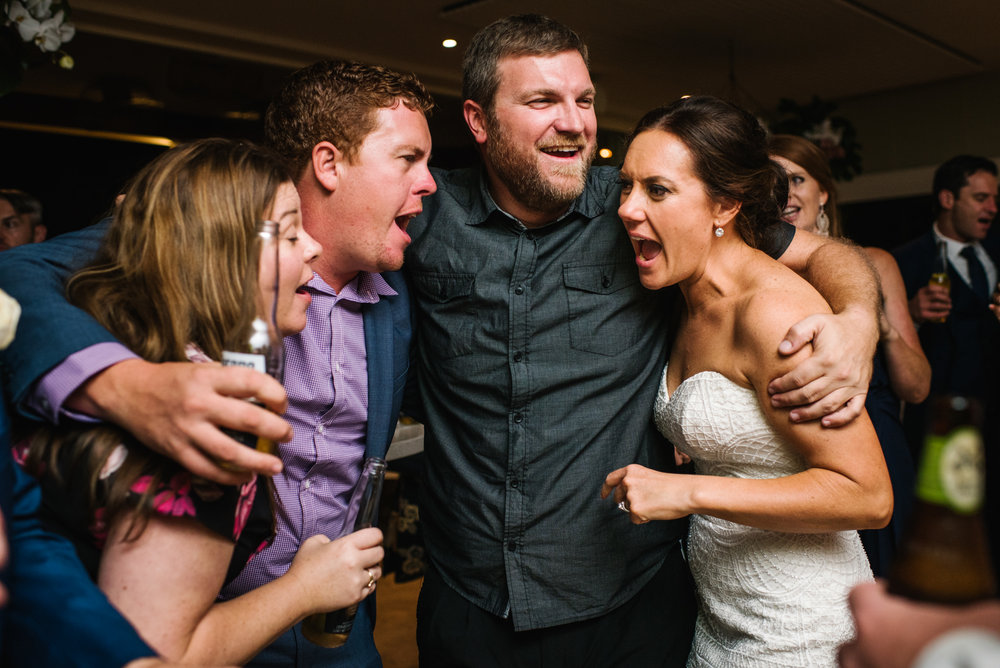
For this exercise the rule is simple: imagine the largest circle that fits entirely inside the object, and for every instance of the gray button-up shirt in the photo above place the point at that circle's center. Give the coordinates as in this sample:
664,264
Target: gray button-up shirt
537,358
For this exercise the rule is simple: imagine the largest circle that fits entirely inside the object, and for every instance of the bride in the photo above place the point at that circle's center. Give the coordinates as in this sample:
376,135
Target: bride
775,505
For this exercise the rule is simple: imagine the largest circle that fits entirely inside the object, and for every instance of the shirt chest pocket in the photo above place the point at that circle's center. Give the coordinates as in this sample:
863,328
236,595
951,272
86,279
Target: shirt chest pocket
604,307
446,311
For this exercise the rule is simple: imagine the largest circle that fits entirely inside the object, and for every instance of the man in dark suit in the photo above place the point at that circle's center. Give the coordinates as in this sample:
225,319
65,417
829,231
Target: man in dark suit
965,192
357,141
964,349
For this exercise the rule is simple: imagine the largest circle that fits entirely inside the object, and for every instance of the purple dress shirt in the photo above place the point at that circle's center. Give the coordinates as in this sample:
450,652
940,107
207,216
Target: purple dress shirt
326,377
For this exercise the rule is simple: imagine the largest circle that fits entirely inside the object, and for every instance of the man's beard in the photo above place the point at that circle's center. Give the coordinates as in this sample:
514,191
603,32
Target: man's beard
520,172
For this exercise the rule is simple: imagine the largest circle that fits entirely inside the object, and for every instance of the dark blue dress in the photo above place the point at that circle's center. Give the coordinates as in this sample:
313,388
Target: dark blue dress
883,408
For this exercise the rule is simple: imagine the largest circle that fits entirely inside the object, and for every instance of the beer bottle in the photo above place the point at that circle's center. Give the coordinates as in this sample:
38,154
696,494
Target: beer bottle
261,347
331,629
939,274
944,554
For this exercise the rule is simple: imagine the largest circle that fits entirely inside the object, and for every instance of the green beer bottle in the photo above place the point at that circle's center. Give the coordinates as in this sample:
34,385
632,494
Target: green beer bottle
944,555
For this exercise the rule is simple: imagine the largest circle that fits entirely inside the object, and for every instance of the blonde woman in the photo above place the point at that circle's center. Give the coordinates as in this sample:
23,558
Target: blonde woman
170,283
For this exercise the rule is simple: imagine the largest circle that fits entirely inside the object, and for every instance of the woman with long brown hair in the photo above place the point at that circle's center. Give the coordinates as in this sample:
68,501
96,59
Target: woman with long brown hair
171,282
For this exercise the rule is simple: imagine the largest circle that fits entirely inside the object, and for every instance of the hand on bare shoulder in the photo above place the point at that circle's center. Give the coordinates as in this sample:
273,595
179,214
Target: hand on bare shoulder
831,384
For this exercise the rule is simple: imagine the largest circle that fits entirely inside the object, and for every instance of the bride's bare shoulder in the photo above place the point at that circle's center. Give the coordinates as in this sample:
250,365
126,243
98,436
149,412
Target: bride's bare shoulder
778,299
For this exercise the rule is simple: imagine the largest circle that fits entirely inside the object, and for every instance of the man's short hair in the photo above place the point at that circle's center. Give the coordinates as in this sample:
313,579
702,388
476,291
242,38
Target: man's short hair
337,102
521,35
953,174
24,204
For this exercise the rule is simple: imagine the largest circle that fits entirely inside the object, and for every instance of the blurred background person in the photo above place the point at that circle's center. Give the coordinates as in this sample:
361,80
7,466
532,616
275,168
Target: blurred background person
958,331
900,370
20,219
895,632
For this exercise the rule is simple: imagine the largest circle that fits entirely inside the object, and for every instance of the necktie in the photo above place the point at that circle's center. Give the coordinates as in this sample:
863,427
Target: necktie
977,274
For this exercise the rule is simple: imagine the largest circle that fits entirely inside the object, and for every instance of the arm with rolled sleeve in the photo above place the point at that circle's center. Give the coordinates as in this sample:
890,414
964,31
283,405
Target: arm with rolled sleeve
176,409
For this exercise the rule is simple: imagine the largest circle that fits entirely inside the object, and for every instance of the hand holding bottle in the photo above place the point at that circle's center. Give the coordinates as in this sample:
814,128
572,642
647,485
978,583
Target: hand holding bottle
336,574
331,627
931,303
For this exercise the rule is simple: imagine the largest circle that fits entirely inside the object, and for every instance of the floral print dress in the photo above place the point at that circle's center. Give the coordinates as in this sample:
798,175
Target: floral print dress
242,513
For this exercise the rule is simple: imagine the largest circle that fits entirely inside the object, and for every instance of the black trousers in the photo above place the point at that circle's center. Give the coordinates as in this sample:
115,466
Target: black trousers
652,629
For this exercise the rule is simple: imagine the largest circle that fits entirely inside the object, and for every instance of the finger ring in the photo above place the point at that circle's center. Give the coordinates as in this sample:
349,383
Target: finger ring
371,579
624,506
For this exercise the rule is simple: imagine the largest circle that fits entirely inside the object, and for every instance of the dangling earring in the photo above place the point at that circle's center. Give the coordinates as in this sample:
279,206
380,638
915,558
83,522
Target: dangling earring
719,231
822,222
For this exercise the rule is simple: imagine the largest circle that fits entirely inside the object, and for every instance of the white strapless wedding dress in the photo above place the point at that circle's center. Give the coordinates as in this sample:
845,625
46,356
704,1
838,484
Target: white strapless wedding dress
765,598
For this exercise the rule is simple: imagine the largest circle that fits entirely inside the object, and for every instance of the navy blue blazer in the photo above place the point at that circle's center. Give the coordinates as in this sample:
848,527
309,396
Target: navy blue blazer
964,350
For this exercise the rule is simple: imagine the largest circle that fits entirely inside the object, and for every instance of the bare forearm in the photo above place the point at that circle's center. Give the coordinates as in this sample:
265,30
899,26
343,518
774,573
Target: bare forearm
909,371
234,631
813,501
846,279
325,575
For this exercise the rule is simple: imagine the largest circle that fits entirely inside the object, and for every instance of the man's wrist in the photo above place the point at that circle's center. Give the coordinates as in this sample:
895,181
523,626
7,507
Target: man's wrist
51,396
862,318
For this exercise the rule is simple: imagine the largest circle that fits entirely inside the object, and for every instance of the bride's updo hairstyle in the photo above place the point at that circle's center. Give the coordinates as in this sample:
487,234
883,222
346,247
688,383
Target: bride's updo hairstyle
729,156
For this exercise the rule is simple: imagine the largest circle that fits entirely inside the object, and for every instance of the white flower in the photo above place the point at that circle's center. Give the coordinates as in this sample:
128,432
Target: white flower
10,311
53,32
50,33
40,9
26,24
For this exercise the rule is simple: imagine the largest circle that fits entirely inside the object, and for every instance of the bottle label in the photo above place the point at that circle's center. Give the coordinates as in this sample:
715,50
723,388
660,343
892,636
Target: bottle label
952,471
248,360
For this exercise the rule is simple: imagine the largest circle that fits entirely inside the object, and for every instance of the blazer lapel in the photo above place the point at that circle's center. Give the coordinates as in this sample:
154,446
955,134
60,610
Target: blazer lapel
378,347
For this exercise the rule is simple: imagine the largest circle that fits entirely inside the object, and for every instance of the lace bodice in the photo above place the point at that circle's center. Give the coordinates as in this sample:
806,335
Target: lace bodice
766,598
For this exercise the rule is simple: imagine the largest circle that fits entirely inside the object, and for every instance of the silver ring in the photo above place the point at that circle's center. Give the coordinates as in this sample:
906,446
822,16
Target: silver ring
371,579
623,506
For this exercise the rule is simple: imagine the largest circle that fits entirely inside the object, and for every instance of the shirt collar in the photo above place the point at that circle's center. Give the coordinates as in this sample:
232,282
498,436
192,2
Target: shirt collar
365,288
589,205
954,246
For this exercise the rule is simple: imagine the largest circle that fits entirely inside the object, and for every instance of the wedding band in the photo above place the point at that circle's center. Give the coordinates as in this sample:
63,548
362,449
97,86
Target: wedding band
623,506
371,579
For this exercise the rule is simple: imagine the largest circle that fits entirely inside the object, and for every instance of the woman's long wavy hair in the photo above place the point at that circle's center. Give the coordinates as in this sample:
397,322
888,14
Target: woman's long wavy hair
177,266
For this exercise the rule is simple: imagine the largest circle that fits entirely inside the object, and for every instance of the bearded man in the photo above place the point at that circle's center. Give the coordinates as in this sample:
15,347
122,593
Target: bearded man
537,358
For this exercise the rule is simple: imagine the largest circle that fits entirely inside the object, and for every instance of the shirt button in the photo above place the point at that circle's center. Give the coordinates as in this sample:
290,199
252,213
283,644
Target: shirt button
307,484
605,282
529,236
320,429
518,418
518,356
519,290
511,546
514,483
